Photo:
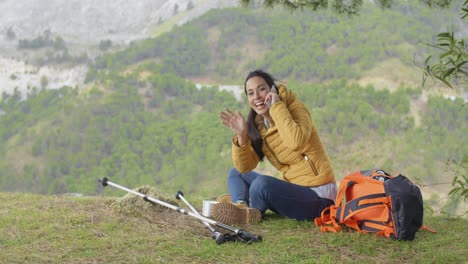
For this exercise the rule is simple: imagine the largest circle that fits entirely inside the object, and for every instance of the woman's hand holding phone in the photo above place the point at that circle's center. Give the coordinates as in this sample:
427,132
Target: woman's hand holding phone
272,96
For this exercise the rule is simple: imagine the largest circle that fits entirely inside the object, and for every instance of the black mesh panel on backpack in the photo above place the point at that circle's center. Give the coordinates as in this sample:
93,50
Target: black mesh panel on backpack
407,206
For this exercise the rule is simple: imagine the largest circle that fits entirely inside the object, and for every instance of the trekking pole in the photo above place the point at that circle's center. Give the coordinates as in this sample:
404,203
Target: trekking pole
240,234
217,236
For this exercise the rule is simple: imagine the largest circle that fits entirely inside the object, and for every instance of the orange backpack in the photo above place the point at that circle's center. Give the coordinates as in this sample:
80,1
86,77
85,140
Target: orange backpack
376,202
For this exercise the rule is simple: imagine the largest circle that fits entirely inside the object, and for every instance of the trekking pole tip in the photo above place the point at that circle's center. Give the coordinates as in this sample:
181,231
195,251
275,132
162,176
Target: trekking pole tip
218,237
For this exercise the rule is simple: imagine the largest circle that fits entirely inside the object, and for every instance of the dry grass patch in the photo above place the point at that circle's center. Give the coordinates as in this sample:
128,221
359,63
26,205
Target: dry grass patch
154,213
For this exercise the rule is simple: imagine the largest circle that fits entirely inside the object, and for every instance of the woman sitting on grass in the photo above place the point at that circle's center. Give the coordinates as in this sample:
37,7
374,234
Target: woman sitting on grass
280,128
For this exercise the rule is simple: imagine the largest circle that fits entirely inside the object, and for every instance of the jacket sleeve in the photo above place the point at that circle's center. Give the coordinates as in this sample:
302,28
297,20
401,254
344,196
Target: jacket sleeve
294,124
244,157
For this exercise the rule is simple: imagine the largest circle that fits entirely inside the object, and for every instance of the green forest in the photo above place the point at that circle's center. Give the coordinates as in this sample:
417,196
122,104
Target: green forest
306,46
141,120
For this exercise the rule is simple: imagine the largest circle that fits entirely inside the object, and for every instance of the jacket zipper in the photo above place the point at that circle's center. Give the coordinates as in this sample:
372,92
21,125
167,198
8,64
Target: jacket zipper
311,163
271,151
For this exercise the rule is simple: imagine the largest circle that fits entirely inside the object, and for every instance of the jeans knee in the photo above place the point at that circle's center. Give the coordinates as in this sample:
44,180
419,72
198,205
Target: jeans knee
233,173
260,185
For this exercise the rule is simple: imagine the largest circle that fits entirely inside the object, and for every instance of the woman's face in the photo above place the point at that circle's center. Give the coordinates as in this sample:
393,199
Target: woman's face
257,90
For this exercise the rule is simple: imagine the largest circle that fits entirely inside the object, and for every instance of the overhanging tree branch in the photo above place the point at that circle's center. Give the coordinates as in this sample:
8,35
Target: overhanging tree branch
347,7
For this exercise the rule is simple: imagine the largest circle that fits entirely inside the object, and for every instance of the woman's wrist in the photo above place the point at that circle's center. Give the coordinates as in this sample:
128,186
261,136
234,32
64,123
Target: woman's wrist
242,139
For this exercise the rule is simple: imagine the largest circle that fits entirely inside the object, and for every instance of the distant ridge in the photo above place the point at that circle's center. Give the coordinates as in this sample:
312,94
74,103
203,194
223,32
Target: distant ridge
89,21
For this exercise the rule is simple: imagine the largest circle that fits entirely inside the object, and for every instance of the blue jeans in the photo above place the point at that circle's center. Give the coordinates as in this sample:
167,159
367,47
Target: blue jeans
266,192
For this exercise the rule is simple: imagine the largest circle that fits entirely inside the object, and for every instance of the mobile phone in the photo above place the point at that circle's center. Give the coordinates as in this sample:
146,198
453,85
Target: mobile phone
273,89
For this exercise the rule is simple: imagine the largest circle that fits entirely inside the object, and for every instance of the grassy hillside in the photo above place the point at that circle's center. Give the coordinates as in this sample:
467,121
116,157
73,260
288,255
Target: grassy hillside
62,229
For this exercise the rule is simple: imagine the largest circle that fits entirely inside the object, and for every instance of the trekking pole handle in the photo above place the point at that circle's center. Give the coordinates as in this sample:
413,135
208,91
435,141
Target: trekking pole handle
103,181
179,194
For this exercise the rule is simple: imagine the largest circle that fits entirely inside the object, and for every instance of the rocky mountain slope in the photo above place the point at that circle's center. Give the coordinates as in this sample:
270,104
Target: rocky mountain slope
86,21
82,24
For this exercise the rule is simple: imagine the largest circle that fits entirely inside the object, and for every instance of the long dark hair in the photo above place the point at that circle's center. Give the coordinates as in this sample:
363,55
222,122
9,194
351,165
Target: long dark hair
255,139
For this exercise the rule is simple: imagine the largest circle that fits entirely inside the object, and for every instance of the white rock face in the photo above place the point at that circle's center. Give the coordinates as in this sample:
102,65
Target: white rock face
82,24
85,21
19,75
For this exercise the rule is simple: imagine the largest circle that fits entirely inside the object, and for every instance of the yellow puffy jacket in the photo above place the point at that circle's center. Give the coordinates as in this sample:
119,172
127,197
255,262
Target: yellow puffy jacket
291,144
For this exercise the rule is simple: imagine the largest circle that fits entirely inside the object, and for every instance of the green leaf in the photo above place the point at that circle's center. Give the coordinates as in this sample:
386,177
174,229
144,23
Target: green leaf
466,11
444,81
454,180
444,35
427,60
445,54
454,191
449,72
464,193
459,65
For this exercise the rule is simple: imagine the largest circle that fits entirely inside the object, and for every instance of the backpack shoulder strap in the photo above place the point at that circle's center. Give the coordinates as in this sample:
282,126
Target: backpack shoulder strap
428,229
327,220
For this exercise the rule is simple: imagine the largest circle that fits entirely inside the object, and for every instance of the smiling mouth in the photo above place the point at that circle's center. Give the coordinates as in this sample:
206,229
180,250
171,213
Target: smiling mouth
259,104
